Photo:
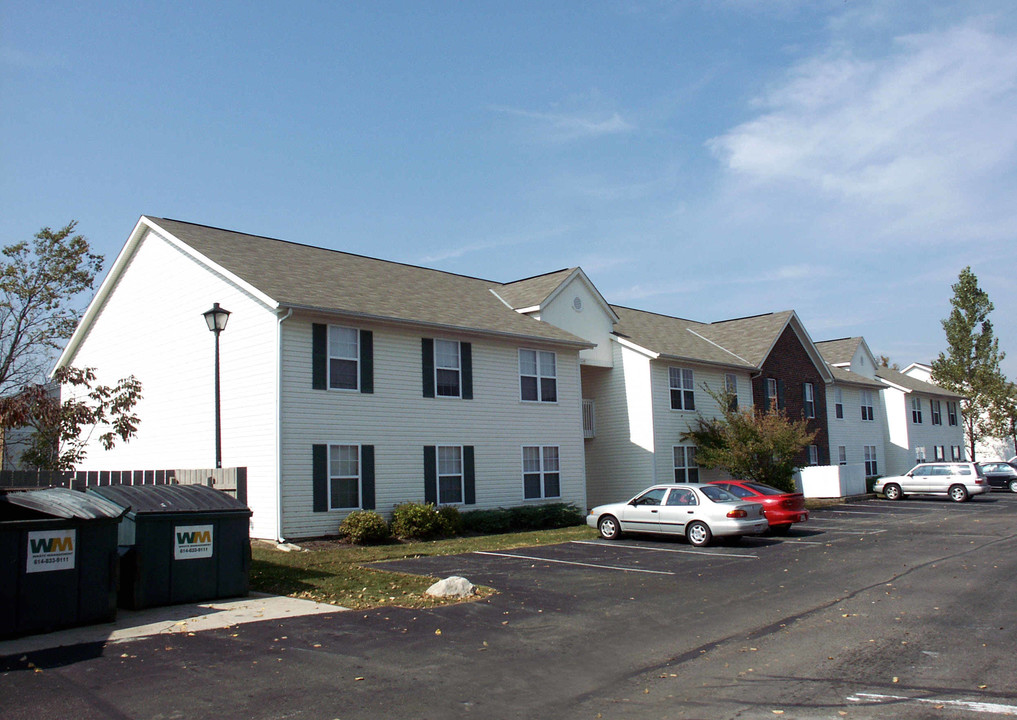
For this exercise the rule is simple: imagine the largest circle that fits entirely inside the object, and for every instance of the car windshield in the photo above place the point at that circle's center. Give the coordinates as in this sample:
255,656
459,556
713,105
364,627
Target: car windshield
717,494
764,489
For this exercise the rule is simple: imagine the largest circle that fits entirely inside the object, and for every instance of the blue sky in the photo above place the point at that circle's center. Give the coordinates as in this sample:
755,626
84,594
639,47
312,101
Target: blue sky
708,160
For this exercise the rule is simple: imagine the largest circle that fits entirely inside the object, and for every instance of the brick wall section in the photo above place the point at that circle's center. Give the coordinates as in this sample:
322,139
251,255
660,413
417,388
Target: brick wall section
788,362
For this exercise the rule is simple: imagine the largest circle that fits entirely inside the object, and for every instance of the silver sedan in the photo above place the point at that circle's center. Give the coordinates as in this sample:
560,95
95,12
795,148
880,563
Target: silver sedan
697,512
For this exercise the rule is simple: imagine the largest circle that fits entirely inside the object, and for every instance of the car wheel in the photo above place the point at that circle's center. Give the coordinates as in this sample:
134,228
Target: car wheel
780,529
698,534
893,492
609,527
958,493
1013,486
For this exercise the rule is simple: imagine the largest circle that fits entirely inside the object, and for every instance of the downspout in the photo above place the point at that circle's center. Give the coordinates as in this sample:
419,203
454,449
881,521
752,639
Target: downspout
278,427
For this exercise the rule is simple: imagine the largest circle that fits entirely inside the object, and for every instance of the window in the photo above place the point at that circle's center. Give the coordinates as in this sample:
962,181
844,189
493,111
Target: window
940,453
813,455
731,388
342,358
871,466
935,410
838,403
951,413
685,468
682,496
916,411
842,455
541,477
446,368
867,413
343,477
683,396
955,453
771,393
538,379
920,454
809,398
450,474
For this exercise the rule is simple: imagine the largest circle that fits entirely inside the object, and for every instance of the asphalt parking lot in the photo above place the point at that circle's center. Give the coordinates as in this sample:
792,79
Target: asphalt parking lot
872,608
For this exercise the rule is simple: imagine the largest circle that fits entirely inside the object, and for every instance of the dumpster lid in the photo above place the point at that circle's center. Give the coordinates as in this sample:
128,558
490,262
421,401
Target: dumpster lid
158,499
64,503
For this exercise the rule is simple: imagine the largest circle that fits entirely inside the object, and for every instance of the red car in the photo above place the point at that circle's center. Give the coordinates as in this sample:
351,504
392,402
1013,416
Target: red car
782,509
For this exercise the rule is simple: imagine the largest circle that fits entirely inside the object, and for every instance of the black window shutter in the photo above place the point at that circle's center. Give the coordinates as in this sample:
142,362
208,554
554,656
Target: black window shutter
319,473
367,476
366,361
469,477
766,394
466,358
319,356
427,365
431,474
780,394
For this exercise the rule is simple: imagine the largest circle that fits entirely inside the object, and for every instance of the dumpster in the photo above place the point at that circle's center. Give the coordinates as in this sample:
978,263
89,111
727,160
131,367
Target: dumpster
58,560
180,543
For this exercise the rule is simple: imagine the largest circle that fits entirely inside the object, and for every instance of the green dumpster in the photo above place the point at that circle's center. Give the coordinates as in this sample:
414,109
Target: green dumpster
180,543
58,560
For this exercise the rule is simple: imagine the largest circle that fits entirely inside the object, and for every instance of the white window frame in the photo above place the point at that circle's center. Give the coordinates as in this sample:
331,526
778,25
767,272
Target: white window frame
731,387
771,392
939,452
686,388
916,411
809,399
866,405
548,464
951,413
339,477
838,403
842,455
936,412
920,454
871,461
457,369
539,374
450,452
333,331
955,453
813,454
688,468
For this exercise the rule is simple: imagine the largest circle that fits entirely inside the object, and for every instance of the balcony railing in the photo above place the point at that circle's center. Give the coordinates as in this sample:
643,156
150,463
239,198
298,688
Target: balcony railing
589,420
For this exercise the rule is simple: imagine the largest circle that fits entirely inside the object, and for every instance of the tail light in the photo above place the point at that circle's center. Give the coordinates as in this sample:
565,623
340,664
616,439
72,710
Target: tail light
979,481
737,514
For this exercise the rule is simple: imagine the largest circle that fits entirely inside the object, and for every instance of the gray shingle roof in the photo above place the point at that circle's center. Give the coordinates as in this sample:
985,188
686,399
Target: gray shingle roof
672,336
906,381
749,337
840,375
839,351
533,291
304,276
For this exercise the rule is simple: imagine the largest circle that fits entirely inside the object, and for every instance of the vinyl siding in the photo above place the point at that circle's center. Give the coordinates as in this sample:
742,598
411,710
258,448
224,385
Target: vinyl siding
398,421
151,325
851,431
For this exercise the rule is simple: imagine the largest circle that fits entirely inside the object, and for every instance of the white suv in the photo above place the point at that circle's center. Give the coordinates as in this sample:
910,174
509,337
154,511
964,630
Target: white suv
955,480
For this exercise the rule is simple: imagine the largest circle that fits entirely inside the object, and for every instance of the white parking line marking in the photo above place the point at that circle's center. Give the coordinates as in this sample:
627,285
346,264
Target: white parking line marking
674,550
570,562
849,532
974,706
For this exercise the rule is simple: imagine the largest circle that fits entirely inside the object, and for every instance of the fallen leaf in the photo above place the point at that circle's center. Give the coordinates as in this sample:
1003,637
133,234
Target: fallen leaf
438,631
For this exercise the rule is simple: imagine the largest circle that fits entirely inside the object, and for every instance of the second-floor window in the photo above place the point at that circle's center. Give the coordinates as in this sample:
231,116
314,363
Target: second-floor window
951,413
538,376
813,454
343,358
809,398
447,368
936,411
683,396
916,411
867,410
838,403
731,388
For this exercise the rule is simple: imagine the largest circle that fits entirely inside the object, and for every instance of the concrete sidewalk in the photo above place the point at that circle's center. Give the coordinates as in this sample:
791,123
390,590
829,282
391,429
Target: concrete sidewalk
187,618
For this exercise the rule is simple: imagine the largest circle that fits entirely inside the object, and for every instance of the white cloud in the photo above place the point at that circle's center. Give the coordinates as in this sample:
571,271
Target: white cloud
920,138
571,125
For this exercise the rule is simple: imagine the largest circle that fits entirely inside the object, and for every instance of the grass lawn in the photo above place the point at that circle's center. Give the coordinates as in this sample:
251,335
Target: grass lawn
334,572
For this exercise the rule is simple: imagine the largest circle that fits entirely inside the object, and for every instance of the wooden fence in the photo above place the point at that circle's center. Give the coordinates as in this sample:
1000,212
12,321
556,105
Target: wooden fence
232,481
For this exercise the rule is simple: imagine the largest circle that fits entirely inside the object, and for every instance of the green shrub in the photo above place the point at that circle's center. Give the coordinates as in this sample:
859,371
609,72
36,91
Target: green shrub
364,527
524,517
453,517
487,522
419,521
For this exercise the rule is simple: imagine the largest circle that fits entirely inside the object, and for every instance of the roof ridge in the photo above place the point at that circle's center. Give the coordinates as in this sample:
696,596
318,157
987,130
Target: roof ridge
651,312
541,275
325,249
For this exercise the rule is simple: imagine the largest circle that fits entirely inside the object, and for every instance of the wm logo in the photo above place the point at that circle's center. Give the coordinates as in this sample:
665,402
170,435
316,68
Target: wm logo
48,545
199,537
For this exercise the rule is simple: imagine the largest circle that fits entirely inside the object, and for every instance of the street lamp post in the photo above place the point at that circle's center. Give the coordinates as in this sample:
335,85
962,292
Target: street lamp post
216,319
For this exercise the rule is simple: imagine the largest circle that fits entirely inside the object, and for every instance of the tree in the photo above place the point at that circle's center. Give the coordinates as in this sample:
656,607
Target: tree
751,444
884,361
61,431
970,365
